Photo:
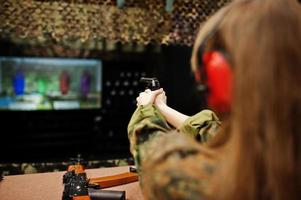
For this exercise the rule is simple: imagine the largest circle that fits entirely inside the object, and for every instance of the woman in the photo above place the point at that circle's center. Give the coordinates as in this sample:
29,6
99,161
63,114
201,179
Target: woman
256,154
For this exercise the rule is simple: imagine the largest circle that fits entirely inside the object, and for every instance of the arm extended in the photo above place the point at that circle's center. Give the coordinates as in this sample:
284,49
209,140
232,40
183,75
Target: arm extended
174,117
166,159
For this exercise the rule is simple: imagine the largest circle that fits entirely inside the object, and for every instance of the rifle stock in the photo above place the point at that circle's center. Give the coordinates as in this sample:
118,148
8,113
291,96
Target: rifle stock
118,179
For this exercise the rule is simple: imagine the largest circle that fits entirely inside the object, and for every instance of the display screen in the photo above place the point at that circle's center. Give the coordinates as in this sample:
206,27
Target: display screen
30,83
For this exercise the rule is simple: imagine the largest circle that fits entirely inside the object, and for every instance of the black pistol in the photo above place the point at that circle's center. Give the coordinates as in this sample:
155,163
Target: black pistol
150,83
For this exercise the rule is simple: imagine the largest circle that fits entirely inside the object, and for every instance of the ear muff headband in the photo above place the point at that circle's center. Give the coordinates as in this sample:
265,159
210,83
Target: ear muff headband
199,75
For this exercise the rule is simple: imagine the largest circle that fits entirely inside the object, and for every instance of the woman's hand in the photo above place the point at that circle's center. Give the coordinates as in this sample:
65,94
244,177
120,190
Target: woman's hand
160,100
148,97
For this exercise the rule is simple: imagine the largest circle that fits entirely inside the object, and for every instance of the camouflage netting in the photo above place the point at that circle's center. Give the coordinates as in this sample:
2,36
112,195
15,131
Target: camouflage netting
87,23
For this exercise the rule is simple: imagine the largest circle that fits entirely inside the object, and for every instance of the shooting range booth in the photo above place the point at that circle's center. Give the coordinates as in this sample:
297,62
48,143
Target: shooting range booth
69,78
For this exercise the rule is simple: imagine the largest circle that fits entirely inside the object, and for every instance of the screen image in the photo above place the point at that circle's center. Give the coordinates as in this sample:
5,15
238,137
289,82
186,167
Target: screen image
32,83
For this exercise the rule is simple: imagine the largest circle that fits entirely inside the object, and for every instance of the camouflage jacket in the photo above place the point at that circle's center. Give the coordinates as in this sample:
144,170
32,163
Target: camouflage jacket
172,163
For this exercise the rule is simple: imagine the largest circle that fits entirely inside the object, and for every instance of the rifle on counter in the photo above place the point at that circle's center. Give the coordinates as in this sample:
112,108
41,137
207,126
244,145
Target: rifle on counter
78,187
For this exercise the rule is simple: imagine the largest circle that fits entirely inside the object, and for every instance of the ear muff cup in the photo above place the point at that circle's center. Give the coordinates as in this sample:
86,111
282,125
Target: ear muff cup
214,73
218,77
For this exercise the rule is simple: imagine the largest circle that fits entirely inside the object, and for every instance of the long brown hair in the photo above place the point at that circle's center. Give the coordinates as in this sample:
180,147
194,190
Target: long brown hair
263,40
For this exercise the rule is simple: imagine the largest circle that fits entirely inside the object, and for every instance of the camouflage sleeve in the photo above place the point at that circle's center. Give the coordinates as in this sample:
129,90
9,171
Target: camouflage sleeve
145,125
171,164
201,126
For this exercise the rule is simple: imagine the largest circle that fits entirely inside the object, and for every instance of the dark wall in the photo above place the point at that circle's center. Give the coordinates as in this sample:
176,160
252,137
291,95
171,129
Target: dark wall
178,80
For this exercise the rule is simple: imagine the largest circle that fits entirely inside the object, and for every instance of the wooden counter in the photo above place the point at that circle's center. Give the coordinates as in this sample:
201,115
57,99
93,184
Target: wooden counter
49,186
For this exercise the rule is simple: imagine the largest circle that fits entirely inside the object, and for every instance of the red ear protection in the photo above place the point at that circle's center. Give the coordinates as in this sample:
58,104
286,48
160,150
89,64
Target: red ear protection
214,74
218,81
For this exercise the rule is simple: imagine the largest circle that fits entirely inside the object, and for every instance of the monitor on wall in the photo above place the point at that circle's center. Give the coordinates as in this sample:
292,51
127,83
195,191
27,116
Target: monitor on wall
36,83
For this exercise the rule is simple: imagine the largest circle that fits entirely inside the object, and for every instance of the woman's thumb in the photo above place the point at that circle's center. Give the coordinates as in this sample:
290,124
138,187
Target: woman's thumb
159,91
